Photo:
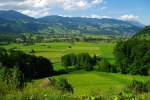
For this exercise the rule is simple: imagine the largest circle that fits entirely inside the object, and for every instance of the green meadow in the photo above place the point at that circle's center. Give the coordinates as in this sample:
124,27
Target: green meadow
55,50
107,84
83,82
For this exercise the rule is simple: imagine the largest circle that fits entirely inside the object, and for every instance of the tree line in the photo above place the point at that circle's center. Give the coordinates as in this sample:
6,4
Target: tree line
133,56
30,65
79,61
87,62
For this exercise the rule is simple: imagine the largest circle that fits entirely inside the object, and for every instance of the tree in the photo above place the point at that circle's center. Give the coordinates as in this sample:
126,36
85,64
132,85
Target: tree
28,38
82,60
44,67
94,59
133,56
104,66
30,65
64,86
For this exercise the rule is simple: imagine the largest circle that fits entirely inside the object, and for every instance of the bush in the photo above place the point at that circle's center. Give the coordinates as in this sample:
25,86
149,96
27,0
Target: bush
105,66
64,86
69,47
10,80
124,96
61,84
141,70
68,60
32,51
139,86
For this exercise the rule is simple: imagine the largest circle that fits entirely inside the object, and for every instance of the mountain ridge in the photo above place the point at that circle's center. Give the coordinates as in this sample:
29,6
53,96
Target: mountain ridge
19,23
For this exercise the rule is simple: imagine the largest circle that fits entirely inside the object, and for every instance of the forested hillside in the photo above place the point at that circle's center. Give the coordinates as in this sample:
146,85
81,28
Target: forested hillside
15,22
133,55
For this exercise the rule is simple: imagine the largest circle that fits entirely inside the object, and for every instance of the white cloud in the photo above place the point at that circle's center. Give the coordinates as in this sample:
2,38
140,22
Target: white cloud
34,13
70,5
82,4
42,7
74,5
95,2
97,16
129,17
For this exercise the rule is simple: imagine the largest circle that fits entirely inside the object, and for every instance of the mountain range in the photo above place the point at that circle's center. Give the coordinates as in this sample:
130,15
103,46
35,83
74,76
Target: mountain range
15,22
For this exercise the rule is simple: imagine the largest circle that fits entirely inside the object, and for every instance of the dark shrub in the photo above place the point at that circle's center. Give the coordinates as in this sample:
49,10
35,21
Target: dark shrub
30,65
32,51
139,86
105,66
61,84
10,80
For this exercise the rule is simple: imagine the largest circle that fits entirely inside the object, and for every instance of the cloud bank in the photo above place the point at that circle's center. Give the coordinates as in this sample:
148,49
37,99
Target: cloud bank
39,8
129,17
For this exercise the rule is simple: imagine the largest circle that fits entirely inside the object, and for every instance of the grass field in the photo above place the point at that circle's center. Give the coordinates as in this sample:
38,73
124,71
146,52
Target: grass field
55,50
86,83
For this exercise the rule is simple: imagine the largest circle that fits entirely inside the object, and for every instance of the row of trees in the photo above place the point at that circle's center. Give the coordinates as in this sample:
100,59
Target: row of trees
133,56
85,61
30,39
82,60
30,65
104,66
7,38
26,38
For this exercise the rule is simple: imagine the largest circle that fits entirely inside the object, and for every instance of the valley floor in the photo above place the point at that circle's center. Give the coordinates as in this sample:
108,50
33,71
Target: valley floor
55,50
83,82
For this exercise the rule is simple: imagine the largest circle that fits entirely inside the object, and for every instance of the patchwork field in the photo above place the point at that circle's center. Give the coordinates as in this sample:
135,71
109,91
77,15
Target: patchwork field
55,50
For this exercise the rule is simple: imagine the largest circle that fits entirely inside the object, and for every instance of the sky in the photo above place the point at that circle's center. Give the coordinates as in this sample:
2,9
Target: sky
138,10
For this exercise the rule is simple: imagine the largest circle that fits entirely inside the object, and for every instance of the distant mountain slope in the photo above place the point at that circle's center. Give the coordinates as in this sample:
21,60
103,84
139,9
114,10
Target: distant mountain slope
143,34
144,31
14,15
92,25
136,23
15,26
15,22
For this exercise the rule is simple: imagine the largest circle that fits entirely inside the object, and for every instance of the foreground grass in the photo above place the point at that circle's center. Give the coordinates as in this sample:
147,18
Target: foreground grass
86,86
107,84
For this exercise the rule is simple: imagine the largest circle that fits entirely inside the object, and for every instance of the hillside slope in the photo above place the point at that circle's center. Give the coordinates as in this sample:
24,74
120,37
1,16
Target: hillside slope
143,34
92,25
15,22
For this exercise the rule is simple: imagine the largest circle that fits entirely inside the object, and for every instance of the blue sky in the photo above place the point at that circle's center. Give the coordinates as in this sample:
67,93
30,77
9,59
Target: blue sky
130,9
118,9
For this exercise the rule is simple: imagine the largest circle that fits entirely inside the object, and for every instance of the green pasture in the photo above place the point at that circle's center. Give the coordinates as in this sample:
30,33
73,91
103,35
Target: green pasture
107,84
84,83
55,50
